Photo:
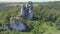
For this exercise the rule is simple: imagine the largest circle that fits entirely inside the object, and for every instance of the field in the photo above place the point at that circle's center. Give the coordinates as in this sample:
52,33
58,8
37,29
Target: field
46,21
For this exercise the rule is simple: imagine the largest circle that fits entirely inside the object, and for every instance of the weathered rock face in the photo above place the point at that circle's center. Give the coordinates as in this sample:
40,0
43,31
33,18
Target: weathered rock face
5,27
20,27
18,23
27,10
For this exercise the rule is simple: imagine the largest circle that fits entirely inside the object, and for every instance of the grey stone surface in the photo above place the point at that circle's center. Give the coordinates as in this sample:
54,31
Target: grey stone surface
27,10
18,23
5,27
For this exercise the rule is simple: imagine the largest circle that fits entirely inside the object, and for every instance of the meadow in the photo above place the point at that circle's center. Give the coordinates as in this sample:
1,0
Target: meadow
46,18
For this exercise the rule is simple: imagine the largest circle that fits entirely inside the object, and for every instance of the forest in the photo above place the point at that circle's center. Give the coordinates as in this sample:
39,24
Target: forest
46,18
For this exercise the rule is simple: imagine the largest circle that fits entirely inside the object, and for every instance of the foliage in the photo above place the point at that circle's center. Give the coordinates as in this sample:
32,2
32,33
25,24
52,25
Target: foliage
46,18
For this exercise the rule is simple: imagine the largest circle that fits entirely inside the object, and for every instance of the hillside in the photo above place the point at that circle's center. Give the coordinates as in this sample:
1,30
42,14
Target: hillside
46,18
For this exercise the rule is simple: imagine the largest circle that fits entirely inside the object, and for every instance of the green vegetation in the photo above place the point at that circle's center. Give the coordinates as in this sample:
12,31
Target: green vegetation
46,18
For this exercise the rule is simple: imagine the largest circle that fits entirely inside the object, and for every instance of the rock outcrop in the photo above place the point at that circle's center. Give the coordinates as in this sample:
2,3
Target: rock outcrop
27,10
18,23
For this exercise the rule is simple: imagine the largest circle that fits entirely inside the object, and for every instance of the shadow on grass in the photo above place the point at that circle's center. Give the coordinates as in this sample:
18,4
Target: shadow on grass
35,19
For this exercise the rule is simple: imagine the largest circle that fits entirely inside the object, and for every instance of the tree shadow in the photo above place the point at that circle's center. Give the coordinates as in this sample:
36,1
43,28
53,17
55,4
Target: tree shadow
35,19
